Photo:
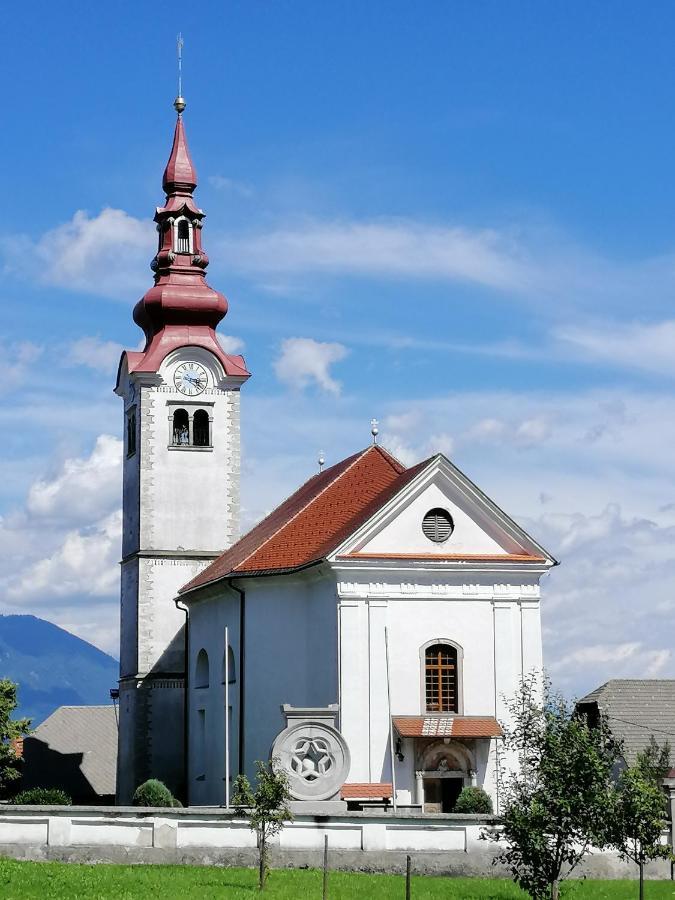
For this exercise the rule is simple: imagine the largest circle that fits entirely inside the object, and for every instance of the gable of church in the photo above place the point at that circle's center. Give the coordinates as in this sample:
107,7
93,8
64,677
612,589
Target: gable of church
442,515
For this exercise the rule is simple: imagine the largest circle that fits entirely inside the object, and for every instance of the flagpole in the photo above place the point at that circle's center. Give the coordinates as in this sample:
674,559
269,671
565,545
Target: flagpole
227,719
391,722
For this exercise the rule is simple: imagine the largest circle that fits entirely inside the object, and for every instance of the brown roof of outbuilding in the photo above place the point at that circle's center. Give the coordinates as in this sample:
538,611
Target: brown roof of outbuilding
314,520
637,708
367,790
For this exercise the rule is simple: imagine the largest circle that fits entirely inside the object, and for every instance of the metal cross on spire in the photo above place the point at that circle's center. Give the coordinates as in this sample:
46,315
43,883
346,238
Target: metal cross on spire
179,102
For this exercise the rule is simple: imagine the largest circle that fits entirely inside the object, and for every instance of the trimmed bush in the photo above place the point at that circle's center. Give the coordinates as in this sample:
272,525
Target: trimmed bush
473,800
42,797
154,793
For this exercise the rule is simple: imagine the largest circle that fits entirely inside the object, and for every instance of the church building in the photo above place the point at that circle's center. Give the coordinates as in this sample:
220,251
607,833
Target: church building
364,634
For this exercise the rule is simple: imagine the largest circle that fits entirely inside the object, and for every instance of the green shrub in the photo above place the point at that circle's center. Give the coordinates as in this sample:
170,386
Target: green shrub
473,800
154,793
42,797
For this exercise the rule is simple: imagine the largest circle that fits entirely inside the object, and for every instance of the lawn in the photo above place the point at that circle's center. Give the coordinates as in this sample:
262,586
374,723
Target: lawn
57,881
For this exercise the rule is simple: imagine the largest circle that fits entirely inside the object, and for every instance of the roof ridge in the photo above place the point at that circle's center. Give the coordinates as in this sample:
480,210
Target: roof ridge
357,458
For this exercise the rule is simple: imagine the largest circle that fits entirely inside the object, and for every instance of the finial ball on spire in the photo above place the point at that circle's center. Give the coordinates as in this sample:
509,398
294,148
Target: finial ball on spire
179,104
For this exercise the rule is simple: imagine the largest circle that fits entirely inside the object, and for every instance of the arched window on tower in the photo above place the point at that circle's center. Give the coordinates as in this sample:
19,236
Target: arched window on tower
441,678
202,670
201,429
181,428
183,236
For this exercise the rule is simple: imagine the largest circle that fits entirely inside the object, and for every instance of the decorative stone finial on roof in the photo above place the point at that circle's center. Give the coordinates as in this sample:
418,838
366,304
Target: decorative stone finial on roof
321,460
374,429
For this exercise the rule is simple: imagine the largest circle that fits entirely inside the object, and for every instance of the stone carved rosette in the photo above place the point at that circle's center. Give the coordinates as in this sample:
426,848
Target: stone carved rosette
314,756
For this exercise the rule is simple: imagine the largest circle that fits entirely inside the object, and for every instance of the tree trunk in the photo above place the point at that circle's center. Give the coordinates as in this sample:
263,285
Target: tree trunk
555,890
262,865
642,880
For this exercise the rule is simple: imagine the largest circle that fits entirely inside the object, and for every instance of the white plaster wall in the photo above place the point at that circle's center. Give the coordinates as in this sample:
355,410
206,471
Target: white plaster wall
290,657
473,533
208,621
497,626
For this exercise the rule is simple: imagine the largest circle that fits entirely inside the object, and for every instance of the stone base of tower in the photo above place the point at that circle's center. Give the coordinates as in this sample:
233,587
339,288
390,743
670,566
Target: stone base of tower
151,734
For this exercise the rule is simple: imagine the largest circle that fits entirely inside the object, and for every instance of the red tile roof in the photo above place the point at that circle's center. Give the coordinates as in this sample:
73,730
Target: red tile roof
316,519
367,791
447,726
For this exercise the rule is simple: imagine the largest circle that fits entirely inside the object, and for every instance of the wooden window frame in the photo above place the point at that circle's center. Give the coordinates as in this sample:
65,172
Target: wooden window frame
459,679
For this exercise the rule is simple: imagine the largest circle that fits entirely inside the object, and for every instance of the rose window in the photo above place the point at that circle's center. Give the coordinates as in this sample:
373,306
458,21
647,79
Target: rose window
310,758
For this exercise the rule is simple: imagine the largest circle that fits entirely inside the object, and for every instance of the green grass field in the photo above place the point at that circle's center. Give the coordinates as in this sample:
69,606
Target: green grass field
58,881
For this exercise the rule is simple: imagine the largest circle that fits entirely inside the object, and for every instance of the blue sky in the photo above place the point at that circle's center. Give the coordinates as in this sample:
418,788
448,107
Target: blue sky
457,217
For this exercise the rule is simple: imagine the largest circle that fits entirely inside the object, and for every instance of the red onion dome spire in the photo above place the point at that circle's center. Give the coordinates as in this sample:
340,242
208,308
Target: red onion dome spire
181,308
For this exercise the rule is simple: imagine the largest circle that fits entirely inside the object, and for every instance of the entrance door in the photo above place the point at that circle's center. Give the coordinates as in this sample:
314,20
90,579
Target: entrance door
440,794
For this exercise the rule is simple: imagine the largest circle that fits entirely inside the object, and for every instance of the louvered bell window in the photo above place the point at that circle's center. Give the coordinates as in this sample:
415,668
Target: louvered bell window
440,677
437,525
183,237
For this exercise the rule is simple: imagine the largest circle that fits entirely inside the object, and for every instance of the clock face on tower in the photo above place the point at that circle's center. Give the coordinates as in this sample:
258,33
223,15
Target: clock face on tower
190,378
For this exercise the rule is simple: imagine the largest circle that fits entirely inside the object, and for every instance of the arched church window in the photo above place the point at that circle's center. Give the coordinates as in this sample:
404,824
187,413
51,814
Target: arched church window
441,677
229,671
200,429
181,428
202,670
183,236
131,432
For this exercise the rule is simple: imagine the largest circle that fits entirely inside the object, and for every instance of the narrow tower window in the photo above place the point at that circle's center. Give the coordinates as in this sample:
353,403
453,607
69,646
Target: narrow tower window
131,432
202,670
181,428
183,236
200,429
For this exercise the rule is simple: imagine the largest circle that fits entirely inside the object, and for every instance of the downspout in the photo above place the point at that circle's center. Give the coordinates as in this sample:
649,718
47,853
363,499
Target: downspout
242,674
186,705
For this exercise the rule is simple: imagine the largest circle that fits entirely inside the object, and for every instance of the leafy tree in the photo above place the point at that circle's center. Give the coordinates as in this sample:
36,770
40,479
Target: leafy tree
557,803
266,808
11,731
641,809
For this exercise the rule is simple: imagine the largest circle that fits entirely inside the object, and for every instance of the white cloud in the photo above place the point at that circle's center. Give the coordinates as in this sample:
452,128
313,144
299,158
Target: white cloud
106,255
93,353
304,361
18,359
636,345
386,249
229,343
84,487
85,564
230,186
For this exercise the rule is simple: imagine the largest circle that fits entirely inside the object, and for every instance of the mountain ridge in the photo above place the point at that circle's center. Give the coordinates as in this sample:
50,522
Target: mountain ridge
52,666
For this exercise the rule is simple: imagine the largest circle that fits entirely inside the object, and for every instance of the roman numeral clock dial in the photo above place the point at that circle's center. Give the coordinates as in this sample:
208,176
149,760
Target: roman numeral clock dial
190,378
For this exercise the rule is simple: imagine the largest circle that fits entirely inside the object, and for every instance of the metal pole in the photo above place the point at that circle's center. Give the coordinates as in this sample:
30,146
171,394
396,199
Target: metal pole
407,877
325,867
227,718
391,724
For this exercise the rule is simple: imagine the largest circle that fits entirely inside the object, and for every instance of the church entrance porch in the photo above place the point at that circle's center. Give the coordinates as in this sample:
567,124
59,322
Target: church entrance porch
441,793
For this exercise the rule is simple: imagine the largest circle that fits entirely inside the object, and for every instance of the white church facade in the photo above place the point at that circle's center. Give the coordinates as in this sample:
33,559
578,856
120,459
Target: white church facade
365,633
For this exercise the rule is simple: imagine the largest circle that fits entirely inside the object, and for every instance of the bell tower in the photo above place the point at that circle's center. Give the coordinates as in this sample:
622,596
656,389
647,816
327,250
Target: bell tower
180,476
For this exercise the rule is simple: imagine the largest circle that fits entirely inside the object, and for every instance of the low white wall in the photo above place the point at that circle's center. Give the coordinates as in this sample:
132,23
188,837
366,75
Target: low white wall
131,827
365,841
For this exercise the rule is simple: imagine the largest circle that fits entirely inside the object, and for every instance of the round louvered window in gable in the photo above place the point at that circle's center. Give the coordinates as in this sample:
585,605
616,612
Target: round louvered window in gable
437,525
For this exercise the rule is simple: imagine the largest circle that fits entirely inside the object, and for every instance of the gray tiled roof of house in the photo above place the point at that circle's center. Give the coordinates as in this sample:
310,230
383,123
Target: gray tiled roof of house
637,708
87,730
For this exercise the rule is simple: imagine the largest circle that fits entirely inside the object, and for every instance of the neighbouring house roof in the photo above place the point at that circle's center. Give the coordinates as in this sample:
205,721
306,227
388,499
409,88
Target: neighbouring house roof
447,726
314,520
367,791
74,749
636,708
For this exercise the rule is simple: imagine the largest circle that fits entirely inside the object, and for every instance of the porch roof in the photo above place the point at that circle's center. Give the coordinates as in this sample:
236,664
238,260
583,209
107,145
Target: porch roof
447,726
